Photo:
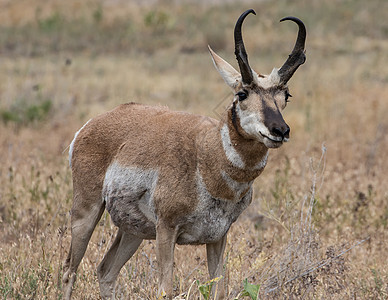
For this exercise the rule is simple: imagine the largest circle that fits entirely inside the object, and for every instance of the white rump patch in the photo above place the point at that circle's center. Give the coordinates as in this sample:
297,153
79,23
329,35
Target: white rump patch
71,148
232,155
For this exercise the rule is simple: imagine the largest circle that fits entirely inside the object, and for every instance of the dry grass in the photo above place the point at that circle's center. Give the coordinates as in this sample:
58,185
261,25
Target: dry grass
85,57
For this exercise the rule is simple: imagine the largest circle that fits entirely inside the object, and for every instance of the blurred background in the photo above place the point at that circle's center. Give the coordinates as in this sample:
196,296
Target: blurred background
317,227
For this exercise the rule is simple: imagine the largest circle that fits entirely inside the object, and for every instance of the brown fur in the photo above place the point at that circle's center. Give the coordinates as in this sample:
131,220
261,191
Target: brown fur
175,143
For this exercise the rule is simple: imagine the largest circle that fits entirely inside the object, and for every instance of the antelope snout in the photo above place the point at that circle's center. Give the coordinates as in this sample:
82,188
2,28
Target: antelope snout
282,131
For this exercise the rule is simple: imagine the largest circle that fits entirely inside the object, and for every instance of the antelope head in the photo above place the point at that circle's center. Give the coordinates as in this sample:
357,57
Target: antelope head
259,99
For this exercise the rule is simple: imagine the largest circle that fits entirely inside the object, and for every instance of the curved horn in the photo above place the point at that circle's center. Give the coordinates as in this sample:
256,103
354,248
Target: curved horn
297,56
241,54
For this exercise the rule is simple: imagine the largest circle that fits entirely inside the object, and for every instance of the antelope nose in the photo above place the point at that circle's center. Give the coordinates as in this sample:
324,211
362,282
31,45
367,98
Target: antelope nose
282,131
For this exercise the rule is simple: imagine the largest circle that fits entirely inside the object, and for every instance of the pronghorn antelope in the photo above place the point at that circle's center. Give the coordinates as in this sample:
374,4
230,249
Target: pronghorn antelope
174,176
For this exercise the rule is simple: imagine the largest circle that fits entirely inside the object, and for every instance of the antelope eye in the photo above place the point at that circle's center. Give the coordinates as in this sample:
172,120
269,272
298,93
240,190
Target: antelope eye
242,96
288,95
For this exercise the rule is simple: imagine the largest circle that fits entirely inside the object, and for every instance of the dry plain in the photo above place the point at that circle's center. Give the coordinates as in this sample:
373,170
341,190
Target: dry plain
317,227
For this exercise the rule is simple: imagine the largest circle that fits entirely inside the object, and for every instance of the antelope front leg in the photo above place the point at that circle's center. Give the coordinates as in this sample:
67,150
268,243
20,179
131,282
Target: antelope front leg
165,244
215,259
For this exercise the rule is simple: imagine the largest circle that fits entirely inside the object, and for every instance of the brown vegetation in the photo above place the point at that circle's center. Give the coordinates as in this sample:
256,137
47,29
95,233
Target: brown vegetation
317,228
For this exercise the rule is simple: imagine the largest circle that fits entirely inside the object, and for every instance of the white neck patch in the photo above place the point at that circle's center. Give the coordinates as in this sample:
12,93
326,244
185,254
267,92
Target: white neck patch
231,154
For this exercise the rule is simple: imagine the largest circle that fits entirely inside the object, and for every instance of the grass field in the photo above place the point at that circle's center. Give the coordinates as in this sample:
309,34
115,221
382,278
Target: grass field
318,225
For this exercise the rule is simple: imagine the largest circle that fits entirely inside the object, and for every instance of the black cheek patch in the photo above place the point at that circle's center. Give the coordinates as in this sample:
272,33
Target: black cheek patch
234,115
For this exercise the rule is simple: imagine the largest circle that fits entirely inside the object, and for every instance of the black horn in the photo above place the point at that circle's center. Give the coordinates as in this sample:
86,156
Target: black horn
241,54
297,56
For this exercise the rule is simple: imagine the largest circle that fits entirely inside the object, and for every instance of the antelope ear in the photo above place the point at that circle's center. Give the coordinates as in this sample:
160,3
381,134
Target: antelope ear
227,72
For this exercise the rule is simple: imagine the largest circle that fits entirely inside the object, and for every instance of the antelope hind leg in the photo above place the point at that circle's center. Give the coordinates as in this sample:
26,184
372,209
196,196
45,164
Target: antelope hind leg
122,249
82,227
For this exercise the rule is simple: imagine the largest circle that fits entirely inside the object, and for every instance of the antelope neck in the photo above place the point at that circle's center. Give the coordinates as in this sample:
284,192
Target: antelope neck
242,151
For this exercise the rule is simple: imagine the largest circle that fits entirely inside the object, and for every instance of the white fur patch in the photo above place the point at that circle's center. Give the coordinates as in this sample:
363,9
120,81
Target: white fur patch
134,184
71,148
232,155
129,196
271,80
237,187
251,122
212,218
